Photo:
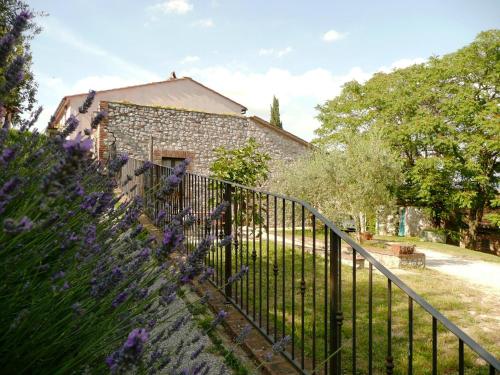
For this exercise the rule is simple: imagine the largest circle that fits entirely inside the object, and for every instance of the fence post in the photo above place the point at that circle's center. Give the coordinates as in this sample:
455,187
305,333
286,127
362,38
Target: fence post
228,193
335,308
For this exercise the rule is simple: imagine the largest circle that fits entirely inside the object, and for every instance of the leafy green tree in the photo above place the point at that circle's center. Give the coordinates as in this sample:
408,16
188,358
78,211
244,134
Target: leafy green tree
442,118
356,180
275,113
245,165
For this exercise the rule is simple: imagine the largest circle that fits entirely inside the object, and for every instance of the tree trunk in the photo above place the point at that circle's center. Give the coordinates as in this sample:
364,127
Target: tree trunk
469,235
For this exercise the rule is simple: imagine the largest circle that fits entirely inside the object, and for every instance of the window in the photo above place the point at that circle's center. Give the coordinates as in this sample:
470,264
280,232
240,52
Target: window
170,162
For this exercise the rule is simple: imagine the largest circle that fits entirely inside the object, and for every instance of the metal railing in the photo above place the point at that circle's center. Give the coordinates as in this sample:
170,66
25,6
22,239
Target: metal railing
305,281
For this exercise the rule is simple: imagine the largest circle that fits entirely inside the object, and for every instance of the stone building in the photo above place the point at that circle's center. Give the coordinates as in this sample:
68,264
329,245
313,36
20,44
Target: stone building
172,120
175,134
182,92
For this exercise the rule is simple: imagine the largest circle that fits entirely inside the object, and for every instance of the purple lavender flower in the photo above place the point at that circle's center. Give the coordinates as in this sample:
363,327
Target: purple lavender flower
243,335
6,44
130,352
161,215
141,170
77,146
219,210
34,118
194,263
116,164
277,348
79,189
233,278
9,187
13,75
137,230
71,125
221,316
209,271
119,299
90,235
87,102
13,227
145,253
117,272
98,119
77,308
226,241
58,275
7,155
197,352
176,325
20,23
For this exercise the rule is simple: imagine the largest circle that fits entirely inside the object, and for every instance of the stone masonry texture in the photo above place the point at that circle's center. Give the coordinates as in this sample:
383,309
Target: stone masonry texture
179,133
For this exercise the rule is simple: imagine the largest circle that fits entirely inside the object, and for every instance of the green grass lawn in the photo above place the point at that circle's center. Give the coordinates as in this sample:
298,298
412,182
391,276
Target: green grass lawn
453,298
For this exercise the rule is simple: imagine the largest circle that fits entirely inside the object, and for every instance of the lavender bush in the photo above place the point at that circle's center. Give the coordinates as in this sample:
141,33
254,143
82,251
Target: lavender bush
84,288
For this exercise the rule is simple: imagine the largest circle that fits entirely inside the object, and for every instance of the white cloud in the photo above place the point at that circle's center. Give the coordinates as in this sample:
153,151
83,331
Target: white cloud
284,51
205,23
333,36
275,52
173,6
298,93
266,51
189,59
59,32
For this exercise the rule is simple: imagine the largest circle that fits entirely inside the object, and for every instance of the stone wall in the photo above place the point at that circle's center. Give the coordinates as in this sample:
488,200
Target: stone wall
180,133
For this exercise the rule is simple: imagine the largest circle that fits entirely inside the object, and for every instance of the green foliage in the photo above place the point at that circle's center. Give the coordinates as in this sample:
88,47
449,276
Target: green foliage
245,165
23,98
275,113
442,118
355,180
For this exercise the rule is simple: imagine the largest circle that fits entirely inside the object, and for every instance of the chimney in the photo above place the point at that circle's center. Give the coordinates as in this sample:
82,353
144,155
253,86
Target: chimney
173,75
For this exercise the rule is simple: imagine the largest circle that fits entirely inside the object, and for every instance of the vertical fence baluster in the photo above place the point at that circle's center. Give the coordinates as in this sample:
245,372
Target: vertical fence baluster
302,290
260,259
325,313
227,232
370,319
267,263
434,346
389,365
410,336
236,242
242,218
293,280
313,219
461,369
254,255
283,270
354,311
275,269
247,277
335,308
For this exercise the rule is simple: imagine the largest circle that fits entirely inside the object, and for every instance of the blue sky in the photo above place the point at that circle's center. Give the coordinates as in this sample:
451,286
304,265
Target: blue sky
302,51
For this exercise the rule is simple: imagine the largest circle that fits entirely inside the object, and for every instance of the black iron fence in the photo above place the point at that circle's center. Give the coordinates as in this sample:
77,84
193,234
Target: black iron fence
343,311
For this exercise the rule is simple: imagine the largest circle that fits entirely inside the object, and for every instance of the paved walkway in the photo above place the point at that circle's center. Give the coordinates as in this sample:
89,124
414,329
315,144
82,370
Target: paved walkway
474,271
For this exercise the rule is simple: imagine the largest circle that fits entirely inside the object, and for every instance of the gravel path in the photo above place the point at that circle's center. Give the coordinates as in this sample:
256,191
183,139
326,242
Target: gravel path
477,272
474,271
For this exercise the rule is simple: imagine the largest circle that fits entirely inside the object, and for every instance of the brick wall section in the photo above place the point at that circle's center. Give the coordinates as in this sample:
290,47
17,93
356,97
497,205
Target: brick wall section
181,133
102,137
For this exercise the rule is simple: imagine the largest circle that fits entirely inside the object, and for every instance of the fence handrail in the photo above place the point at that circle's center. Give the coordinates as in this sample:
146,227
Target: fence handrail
464,337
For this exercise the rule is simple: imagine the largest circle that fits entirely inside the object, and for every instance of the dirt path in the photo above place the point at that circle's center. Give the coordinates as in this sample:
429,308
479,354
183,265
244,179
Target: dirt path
477,272
474,271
